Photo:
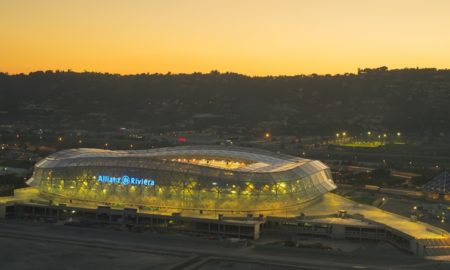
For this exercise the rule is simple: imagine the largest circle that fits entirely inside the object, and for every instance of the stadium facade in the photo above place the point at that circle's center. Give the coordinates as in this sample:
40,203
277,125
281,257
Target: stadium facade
188,178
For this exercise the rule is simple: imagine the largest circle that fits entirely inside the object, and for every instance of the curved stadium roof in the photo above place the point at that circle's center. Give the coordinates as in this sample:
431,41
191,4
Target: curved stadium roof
256,160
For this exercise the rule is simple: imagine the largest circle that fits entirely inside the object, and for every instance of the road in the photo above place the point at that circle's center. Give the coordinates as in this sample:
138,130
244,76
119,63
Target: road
58,245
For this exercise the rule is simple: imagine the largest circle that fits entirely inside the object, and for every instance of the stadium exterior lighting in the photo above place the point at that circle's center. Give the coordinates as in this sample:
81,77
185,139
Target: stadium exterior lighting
173,179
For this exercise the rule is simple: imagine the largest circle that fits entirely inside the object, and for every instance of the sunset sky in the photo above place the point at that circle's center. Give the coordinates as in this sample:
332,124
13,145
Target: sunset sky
254,37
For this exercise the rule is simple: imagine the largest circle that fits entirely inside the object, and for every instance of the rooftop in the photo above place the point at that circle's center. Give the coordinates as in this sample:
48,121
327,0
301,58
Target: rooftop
229,158
332,203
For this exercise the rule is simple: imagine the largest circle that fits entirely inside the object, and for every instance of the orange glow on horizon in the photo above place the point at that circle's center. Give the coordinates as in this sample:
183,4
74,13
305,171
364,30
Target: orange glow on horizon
253,37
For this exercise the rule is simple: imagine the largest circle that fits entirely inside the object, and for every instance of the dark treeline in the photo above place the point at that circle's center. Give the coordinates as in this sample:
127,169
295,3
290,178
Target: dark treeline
409,100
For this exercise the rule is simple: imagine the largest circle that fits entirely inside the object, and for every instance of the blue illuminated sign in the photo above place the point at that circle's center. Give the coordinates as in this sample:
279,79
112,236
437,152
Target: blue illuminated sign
125,180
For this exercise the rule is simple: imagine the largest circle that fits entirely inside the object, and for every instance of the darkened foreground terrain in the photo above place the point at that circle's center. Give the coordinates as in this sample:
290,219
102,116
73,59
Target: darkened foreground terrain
28,244
409,100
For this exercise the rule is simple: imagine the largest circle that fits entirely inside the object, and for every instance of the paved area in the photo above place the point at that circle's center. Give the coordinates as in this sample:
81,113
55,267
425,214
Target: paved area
27,254
331,203
30,245
21,194
429,212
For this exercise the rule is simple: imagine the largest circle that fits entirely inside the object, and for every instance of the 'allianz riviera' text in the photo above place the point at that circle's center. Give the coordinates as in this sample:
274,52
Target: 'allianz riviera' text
125,180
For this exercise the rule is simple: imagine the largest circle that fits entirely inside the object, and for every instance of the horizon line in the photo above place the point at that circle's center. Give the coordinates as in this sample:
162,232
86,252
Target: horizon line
213,71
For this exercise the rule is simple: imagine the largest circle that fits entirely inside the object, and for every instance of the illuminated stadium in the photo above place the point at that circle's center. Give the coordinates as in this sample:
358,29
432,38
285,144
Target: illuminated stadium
207,179
213,190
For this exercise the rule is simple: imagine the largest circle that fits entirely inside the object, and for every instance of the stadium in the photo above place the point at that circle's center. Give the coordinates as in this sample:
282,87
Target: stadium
208,190
205,179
